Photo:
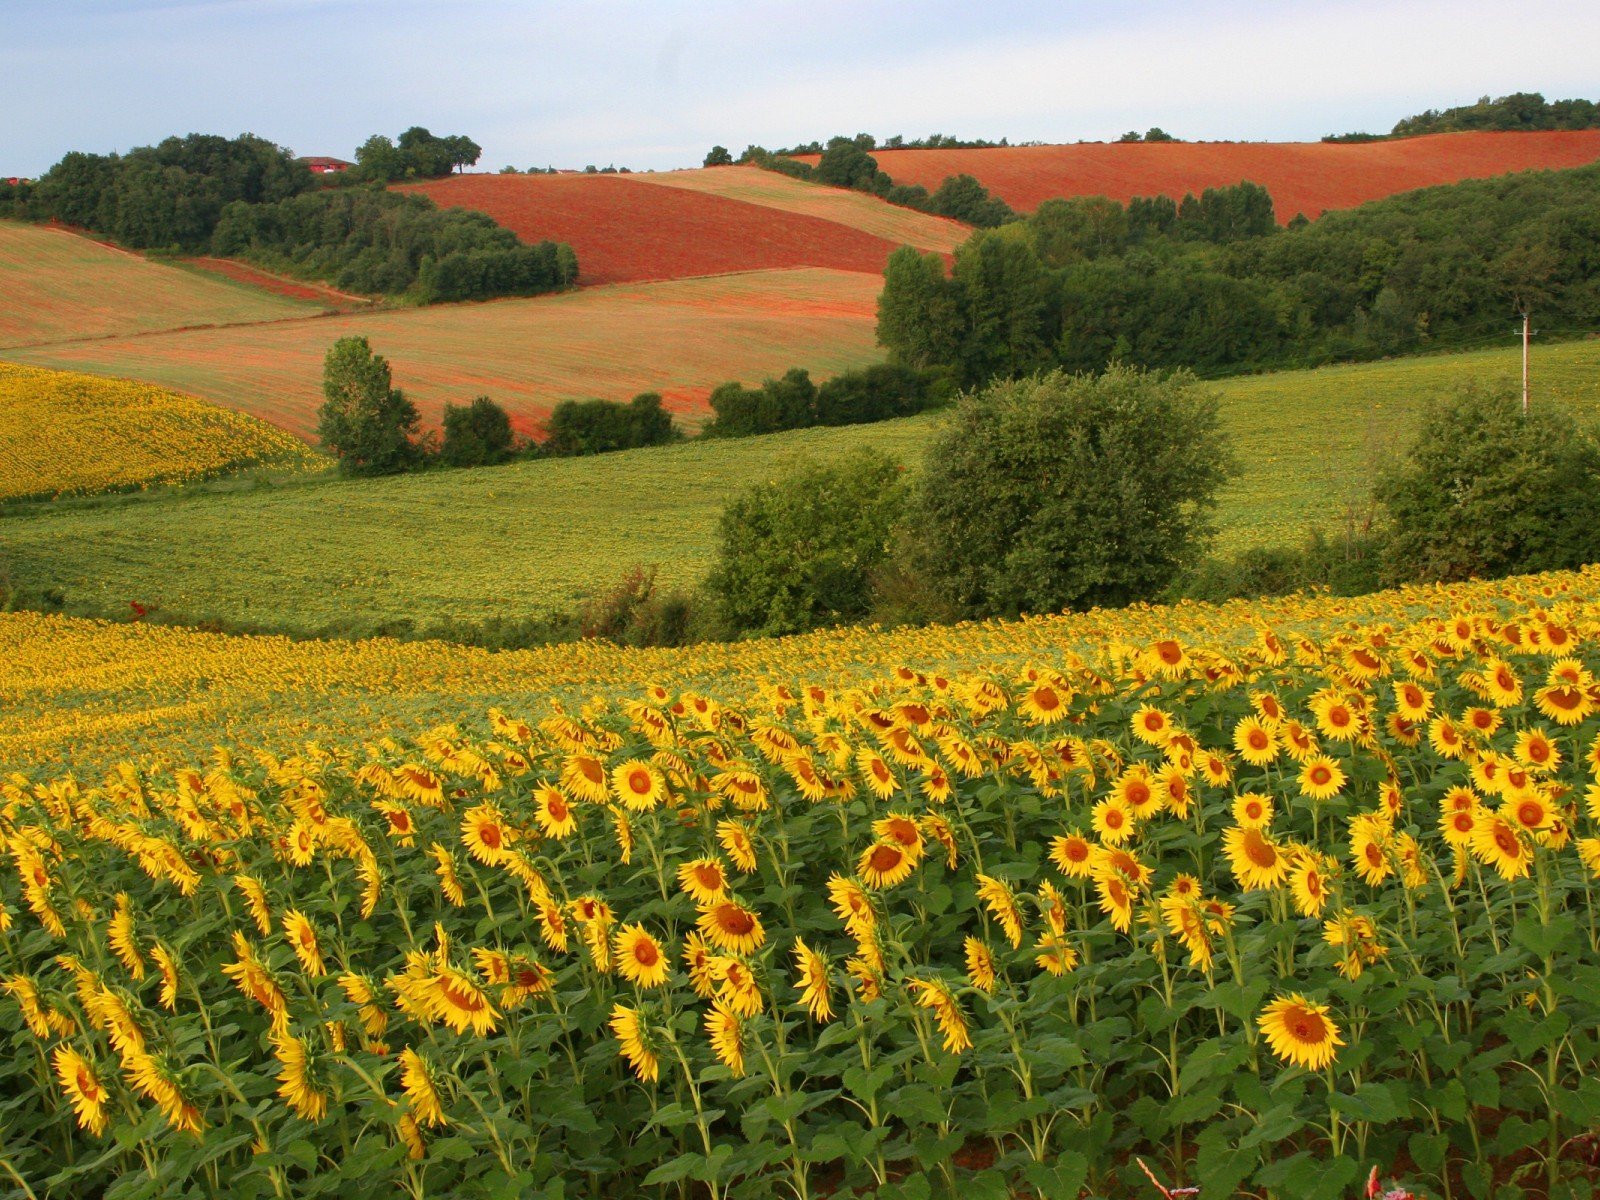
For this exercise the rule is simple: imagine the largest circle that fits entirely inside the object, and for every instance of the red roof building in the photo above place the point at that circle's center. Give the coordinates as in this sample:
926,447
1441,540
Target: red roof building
326,166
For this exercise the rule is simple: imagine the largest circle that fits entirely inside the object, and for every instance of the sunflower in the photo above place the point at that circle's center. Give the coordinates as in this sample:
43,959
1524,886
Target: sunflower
554,813
935,785
901,830
552,925
1124,862
1336,718
255,899
1412,701
878,774
1112,821
302,938
1116,900
639,957
1457,825
1589,854
120,936
852,903
734,837
1529,811
731,927
1268,707
452,997
736,985
1073,855
813,981
1252,810
1321,778
1370,843
633,1036
1355,936
1043,704
584,778
980,965
1566,704
1256,744
167,966
417,1082
936,996
1298,742
1497,843
1055,955
83,1089
1501,683
1300,1031
884,864
1002,907
1168,658
638,784
940,831
1308,884
1537,752
726,1031
704,879
1134,791
1257,862
296,1078
1151,725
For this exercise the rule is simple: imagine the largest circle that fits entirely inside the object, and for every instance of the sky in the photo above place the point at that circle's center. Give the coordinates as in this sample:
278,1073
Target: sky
655,85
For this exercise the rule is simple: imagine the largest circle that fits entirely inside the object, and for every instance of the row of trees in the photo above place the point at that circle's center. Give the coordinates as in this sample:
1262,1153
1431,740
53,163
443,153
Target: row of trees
246,198
876,393
1060,491
1518,112
1213,284
846,162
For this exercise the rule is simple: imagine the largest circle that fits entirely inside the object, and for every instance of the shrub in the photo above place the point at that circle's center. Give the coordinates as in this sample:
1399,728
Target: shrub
636,613
364,422
878,393
787,403
1488,491
598,426
476,435
799,552
1070,491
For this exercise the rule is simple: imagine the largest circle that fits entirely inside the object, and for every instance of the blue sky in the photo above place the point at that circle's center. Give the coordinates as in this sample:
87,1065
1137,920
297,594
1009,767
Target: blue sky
655,85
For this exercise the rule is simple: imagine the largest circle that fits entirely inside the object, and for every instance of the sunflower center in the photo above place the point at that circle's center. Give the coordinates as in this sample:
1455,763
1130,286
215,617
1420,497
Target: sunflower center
884,858
645,953
639,781
736,921
1260,851
1306,1027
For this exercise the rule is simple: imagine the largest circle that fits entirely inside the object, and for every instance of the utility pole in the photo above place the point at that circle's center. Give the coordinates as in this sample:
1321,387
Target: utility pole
1524,362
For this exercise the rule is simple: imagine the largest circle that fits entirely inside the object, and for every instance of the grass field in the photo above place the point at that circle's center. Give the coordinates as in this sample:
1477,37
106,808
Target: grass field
65,434
523,538
58,285
680,338
625,230
1303,177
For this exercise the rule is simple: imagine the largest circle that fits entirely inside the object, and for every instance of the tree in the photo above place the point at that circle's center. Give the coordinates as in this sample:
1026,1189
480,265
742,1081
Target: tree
799,552
364,422
919,311
463,151
963,198
476,435
1066,491
719,157
1486,491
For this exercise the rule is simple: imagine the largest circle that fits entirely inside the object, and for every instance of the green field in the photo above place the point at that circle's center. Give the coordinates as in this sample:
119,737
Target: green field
520,539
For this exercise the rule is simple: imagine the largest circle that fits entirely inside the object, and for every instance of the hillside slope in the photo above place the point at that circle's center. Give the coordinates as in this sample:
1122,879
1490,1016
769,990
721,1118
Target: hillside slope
60,285
519,539
680,338
627,230
1303,177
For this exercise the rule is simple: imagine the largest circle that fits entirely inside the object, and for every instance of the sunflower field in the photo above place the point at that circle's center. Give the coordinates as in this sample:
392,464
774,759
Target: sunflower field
1253,915
67,434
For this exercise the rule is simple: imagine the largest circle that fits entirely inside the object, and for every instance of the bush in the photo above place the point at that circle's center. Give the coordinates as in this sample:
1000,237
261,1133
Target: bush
635,613
578,427
1065,491
1349,563
787,403
476,435
1487,491
799,553
364,422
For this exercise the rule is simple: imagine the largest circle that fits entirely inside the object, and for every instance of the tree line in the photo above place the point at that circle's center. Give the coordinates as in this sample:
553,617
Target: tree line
247,198
847,162
1518,112
1213,284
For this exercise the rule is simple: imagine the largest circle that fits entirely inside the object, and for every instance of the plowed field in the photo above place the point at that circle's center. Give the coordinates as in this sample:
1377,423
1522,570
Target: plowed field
55,284
680,338
626,231
1303,177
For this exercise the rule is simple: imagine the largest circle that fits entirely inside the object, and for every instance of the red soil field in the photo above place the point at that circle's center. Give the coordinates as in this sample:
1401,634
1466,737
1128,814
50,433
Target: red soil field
295,289
1303,177
625,231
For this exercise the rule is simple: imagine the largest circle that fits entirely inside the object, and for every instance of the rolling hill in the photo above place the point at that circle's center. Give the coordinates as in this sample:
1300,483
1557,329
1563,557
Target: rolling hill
520,539
62,286
626,228
1303,177
681,338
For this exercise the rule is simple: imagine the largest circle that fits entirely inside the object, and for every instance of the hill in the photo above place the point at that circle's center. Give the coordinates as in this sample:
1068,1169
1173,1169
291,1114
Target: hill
60,285
1303,177
680,338
520,539
64,434
626,229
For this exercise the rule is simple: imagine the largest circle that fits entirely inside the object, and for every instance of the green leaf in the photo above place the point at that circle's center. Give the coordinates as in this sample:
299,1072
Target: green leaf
864,1085
1370,1102
1062,1179
1428,1150
1540,940
673,1170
